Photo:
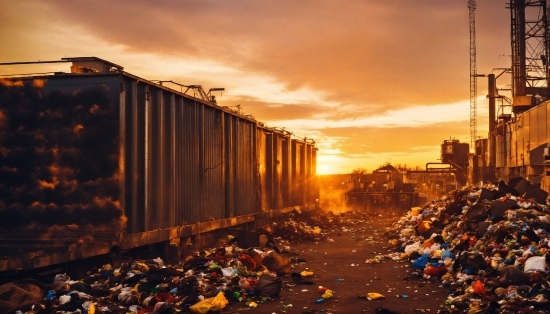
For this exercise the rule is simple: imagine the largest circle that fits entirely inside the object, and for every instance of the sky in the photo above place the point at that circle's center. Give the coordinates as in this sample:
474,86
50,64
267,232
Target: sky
371,81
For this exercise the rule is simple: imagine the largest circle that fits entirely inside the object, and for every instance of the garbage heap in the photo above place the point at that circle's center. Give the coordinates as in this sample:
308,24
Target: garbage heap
247,270
303,226
489,245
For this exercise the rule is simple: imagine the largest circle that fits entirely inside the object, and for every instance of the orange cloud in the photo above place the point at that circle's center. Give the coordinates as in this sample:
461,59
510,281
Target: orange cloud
316,65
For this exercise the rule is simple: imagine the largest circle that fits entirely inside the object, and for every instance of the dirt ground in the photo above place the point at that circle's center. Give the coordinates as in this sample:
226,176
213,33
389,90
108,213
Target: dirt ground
339,264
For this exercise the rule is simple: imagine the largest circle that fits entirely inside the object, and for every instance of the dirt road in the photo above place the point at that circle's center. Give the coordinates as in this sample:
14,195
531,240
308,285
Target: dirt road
339,264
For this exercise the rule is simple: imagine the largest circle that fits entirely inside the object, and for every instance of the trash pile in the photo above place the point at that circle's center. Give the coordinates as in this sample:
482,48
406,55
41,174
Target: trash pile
247,270
488,245
203,283
299,226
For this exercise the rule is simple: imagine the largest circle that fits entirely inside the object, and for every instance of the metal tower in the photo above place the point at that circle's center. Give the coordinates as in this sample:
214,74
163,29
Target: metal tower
473,75
530,51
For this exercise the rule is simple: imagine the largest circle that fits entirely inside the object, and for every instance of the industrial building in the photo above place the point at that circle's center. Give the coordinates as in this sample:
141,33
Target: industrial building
518,139
517,144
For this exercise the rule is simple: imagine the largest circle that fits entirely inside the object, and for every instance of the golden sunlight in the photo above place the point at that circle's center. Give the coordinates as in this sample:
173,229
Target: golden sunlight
325,169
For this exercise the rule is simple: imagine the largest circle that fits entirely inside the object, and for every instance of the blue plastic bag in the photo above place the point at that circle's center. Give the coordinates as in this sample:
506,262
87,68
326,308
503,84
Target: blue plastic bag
421,262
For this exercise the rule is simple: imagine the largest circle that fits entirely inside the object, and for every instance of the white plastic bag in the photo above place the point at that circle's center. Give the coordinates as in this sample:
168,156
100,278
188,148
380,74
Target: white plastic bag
535,263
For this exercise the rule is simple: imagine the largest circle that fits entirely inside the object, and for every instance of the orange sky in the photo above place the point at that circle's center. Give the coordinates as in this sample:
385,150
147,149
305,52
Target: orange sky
372,81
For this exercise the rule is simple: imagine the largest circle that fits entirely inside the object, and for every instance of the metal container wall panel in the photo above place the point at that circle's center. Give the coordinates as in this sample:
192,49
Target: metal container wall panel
525,143
508,138
534,139
278,161
261,153
245,185
547,120
170,160
192,191
229,162
159,189
298,172
537,140
286,171
274,169
514,147
271,177
214,179
181,208
310,177
59,166
500,147
133,104
314,178
542,124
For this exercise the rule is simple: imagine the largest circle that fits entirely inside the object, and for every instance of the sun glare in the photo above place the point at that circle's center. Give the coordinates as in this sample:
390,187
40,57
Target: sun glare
324,169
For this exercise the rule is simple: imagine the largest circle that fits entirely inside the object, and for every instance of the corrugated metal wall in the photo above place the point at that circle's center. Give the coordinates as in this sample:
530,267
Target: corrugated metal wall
286,171
154,156
519,150
298,172
304,180
243,185
181,160
262,166
187,161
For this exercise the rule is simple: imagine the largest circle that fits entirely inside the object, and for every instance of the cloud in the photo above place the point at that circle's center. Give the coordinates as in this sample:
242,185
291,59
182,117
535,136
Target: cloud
365,79
392,53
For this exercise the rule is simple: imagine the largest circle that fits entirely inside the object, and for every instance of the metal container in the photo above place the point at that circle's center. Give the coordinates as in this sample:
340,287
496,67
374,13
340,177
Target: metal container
113,157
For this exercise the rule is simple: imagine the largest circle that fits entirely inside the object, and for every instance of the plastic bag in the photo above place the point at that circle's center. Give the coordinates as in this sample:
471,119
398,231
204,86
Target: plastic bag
412,247
278,263
446,254
268,286
479,288
214,304
421,261
435,271
510,275
535,263
374,296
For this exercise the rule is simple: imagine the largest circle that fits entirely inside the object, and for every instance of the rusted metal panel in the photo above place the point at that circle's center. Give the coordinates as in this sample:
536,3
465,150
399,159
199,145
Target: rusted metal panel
286,170
513,162
261,146
298,172
273,177
525,143
60,167
229,160
140,159
180,210
192,190
547,116
500,147
214,179
542,123
278,169
245,179
533,132
314,179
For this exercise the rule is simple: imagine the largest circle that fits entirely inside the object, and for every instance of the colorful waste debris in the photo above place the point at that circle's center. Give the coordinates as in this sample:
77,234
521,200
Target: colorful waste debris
487,245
